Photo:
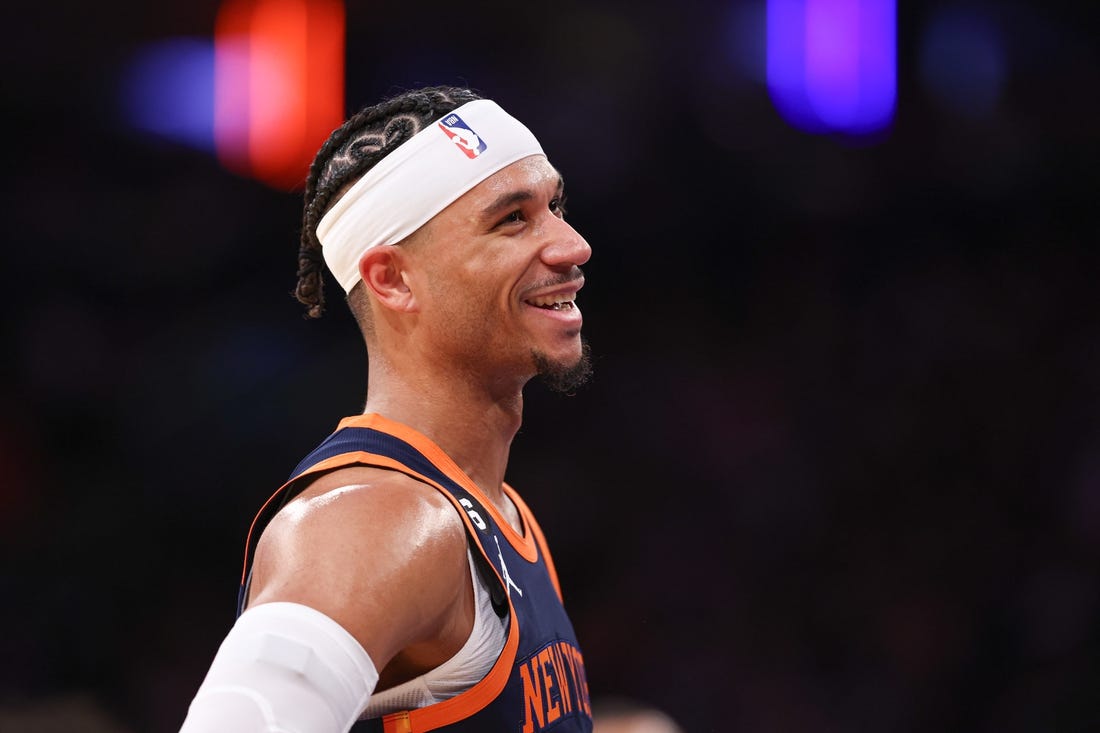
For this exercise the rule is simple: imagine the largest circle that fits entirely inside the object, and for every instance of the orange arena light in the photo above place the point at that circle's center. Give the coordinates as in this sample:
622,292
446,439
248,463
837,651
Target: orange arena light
279,85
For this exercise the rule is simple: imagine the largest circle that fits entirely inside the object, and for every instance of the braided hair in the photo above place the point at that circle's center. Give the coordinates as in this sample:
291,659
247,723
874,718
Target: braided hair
352,150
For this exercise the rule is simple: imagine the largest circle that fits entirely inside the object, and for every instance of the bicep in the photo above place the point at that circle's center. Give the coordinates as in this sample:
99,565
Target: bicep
386,561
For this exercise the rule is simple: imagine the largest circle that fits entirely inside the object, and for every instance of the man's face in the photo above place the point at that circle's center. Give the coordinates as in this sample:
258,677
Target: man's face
497,273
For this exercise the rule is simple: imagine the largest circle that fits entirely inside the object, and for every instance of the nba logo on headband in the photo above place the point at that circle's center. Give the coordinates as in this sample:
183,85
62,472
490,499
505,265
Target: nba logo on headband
420,178
461,135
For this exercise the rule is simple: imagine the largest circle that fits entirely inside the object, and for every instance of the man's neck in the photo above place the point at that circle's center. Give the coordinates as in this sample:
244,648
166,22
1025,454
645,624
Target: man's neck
473,425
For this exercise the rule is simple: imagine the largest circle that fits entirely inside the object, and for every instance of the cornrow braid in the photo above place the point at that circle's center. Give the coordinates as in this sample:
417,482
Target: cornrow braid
350,151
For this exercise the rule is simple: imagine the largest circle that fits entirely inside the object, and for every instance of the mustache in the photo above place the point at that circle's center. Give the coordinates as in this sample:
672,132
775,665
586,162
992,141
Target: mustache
564,279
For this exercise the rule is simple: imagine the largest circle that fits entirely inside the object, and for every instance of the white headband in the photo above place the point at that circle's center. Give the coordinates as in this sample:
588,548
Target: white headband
420,178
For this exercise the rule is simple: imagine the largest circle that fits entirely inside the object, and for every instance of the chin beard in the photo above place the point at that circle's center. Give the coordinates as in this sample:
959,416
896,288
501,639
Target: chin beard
564,378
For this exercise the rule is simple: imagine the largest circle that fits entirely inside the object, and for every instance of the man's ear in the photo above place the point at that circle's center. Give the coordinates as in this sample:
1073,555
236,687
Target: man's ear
382,269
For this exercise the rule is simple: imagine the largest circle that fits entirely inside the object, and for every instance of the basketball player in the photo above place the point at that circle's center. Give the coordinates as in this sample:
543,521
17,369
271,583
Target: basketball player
396,580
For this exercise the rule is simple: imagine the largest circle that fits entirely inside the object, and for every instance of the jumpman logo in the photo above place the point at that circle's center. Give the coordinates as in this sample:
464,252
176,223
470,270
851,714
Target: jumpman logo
509,584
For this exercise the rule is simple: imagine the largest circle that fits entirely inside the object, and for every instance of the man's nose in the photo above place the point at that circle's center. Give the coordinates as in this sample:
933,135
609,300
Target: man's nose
565,246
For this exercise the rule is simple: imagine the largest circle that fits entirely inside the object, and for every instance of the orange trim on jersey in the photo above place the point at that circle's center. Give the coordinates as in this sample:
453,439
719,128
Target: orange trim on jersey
524,543
400,723
540,538
467,703
251,529
527,544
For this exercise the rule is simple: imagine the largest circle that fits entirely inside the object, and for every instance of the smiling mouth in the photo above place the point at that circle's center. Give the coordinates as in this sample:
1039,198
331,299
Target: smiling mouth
553,302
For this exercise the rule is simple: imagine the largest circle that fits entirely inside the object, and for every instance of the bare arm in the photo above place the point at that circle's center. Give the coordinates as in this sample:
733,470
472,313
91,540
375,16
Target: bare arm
380,553
359,583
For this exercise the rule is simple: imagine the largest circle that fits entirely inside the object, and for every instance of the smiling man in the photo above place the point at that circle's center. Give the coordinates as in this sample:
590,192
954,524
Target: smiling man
396,582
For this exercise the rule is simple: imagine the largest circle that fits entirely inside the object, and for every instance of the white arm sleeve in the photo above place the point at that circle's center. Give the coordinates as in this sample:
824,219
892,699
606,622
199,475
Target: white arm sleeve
283,668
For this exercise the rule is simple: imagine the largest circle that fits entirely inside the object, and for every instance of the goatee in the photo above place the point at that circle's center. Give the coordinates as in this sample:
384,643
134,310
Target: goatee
565,378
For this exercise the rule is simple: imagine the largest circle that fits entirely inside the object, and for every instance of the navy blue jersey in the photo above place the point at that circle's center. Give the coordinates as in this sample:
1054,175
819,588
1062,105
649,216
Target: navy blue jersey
538,683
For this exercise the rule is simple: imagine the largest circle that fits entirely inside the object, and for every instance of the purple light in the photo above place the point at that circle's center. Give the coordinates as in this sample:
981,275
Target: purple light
168,91
832,64
832,59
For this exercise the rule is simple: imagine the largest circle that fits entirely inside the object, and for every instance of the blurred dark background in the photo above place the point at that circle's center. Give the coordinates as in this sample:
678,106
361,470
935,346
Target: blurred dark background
839,467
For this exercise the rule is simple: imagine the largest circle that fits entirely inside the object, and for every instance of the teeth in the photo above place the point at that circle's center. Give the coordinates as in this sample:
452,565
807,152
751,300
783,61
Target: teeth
555,302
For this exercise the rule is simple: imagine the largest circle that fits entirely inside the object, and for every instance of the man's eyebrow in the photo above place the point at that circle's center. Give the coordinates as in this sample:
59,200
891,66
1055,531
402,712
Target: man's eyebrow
506,201
510,199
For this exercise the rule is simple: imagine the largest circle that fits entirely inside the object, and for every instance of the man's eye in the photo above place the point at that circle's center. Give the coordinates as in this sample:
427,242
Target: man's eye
557,206
512,218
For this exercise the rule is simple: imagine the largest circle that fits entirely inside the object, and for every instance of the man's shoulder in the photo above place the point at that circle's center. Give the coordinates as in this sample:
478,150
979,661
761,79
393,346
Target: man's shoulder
367,497
362,480
380,553
354,524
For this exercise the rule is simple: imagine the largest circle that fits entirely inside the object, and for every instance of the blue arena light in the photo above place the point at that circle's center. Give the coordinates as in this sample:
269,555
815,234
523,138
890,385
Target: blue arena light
832,64
168,91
